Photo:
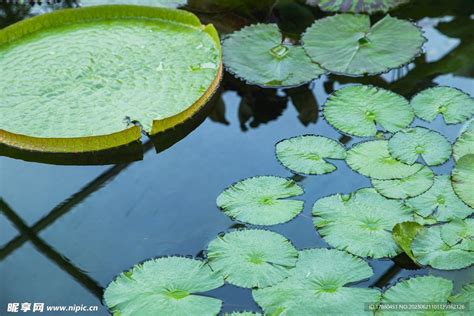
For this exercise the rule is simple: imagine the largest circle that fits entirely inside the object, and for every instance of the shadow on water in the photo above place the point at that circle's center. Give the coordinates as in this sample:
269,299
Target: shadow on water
256,112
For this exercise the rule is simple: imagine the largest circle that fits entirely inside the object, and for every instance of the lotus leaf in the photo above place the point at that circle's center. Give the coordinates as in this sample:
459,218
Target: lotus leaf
463,179
403,188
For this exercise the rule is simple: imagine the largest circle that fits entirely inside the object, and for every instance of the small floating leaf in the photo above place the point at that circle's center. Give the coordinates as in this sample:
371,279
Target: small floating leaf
459,234
420,289
252,258
465,142
404,233
360,223
429,249
454,105
403,188
357,109
83,97
164,286
372,159
440,201
258,200
316,286
257,54
307,154
408,144
348,44
466,295
356,6
463,179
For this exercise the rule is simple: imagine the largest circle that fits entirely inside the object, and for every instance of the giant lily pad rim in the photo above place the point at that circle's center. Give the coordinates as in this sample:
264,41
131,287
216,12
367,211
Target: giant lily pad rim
97,13
420,50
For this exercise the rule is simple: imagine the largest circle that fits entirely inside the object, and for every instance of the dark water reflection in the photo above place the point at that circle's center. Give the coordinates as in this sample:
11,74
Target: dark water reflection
66,231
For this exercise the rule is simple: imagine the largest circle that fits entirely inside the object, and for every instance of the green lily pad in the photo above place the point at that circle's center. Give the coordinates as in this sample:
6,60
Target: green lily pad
403,188
466,295
259,200
152,3
252,258
356,110
356,6
463,179
422,290
464,144
408,144
317,286
165,286
404,233
440,201
307,154
242,314
156,66
429,248
360,223
372,159
459,234
348,44
454,105
258,55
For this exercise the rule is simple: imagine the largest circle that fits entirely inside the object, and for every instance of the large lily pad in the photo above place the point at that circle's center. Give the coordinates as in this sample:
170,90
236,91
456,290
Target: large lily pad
463,179
165,286
153,3
360,223
459,234
258,55
403,188
404,233
440,201
348,44
454,105
465,142
317,286
356,6
155,66
252,258
307,154
260,200
372,159
357,109
422,290
408,144
429,248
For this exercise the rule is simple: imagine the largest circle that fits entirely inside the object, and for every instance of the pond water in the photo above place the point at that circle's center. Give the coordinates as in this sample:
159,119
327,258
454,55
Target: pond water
67,231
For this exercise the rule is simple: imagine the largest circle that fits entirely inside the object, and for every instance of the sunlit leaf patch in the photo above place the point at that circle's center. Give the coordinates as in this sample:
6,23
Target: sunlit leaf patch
464,144
404,233
429,248
349,44
307,154
453,104
419,289
357,110
403,188
356,6
258,54
317,286
261,200
372,159
360,223
463,179
410,143
440,201
459,233
165,286
153,3
252,258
